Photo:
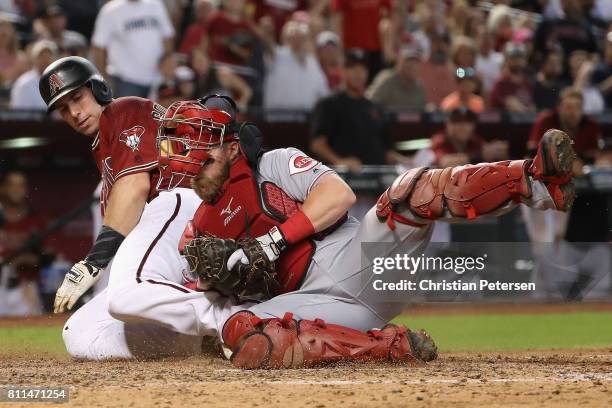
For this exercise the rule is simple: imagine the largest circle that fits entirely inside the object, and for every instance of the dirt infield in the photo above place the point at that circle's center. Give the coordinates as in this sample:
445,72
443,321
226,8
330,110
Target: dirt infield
532,378
577,378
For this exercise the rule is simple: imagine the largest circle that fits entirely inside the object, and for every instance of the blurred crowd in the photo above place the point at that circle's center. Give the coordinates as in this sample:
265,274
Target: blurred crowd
420,55
346,63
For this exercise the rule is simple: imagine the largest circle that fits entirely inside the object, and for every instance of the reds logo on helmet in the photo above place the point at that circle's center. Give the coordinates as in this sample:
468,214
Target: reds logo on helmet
55,83
131,137
299,163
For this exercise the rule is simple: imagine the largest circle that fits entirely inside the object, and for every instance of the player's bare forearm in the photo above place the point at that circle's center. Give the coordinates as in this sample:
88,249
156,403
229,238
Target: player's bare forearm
126,202
329,200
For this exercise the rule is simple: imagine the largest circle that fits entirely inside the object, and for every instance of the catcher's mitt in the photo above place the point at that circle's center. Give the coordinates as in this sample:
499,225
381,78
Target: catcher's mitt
207,257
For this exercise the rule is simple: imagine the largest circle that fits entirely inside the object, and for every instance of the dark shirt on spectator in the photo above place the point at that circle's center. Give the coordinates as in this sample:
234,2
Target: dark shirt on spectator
585,141
546,97
442,146
504,87
569,35
353,127
12,236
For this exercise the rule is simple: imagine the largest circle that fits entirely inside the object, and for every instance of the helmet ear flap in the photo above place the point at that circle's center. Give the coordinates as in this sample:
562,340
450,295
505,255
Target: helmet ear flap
102,92
251,142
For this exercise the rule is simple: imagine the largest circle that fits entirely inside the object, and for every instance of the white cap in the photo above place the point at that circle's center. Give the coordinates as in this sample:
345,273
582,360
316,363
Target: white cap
327,37
184,73
42,45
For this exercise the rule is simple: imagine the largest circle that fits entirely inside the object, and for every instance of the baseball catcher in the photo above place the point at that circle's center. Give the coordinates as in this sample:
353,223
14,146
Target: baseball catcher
274,225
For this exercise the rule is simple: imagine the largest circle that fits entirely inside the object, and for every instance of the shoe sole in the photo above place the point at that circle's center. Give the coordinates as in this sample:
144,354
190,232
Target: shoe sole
558,153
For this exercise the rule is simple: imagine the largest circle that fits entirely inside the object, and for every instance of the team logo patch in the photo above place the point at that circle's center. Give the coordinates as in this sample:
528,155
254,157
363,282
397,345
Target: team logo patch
299,163
131,137
55,84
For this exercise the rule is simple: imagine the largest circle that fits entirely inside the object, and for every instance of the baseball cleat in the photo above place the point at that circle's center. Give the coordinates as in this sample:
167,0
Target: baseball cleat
553,166
554,157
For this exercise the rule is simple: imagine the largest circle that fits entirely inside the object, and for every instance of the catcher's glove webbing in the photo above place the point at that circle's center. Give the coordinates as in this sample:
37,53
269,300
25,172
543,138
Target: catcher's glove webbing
207,257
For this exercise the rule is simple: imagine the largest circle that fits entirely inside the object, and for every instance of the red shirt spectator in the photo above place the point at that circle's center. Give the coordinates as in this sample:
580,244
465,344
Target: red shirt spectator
360,20
441,146
585,138
505,87
196,34
231,38
569,117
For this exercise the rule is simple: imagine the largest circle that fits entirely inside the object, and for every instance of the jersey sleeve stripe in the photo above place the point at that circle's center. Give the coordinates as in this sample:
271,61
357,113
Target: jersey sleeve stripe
136,169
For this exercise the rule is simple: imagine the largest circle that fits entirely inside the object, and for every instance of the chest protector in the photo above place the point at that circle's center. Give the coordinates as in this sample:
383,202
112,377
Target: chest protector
247,210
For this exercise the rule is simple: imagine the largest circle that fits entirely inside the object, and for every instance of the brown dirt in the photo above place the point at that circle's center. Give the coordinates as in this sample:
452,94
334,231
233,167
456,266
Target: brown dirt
577,378
542,378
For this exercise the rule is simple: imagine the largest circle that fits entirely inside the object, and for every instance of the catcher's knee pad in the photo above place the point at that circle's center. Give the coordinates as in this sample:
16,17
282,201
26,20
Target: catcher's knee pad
465,191
287,343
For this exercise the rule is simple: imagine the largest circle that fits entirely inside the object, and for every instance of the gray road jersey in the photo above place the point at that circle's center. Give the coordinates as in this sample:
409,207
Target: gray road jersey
296,174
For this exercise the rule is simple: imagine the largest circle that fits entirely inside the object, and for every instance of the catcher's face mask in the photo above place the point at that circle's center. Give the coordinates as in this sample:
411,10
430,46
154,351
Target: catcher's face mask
187,132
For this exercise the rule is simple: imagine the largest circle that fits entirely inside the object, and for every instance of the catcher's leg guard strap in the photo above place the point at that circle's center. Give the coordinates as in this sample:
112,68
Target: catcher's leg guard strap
285,343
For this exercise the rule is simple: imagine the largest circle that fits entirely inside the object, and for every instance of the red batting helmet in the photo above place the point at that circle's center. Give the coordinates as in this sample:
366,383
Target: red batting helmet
187,132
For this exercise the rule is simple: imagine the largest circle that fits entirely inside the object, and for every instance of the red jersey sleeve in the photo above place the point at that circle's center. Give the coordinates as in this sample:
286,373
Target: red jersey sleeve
128,132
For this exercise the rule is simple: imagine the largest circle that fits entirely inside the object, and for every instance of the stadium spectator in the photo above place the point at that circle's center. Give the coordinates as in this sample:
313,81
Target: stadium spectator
407,27
513,91
437,73
186,86
214,79
196,35
569,33
548,83
232,36
69,42
81,14
329,54
463,52
569,117
166,90
25,93
129,38
602,74
499,25
465,94
13,61
348,129
488,61
18,280
458,144
399,87
581,66
277,12
357,23
294,79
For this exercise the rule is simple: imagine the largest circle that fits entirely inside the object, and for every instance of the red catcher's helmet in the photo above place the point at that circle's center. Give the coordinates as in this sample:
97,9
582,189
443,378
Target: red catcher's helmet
187,132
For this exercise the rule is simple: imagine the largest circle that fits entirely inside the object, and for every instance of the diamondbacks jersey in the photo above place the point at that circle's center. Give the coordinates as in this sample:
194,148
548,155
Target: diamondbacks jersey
125,143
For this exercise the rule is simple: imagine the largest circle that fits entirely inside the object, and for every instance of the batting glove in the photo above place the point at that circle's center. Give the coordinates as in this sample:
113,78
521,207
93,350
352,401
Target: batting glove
77,281
272,243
